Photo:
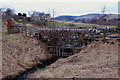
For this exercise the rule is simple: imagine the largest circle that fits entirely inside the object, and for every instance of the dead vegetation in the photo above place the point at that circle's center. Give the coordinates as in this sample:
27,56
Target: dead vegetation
97,60
20,52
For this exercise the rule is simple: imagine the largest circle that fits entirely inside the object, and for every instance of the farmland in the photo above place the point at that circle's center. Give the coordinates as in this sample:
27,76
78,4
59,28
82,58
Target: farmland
65,23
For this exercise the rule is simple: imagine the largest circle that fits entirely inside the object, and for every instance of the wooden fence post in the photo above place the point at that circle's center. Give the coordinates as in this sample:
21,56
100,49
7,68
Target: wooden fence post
104,35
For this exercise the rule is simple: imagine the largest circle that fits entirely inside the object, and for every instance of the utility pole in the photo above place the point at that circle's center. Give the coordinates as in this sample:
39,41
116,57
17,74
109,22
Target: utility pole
53,17
103,14
103,10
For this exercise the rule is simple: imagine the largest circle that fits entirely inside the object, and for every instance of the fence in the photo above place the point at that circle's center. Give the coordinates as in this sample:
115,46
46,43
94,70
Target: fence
64,42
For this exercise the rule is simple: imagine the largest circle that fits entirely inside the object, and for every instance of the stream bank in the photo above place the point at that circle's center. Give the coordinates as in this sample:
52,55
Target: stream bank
23,75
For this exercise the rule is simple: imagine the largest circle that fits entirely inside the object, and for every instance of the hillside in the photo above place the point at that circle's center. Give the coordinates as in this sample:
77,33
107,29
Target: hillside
97,60
20,52
83,18
66,18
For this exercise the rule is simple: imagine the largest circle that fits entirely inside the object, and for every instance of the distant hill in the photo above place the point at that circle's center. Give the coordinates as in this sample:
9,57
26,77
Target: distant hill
97,16
86,17
90,16
66,18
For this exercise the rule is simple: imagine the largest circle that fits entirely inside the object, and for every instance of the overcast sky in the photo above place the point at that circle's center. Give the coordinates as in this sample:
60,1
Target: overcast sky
62,7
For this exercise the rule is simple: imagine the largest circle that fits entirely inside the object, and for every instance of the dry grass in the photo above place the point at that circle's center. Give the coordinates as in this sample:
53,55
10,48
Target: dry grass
97,60
20,52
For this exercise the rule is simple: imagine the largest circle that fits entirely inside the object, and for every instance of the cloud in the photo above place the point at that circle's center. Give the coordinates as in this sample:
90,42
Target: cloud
72,8
60,0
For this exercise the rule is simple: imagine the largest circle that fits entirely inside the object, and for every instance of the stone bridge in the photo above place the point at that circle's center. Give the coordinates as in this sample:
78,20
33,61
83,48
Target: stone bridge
64,42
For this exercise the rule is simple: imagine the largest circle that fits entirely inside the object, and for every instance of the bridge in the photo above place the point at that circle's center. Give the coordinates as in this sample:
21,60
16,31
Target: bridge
66,41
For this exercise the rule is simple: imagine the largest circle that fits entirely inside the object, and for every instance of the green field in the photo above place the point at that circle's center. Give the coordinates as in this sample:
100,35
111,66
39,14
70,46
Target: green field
77,25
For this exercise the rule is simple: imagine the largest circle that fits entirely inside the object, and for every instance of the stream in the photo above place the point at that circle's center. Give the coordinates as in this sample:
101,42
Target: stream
46,63
24,75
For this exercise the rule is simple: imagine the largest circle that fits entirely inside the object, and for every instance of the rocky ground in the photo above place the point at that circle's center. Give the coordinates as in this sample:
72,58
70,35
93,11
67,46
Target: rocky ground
20,52
97,60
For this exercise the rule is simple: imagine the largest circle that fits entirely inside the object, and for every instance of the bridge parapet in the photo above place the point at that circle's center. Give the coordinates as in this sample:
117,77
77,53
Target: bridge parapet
70,40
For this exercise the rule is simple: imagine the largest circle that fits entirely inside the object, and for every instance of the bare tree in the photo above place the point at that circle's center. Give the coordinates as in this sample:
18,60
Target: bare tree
0,10
39,18
53,15
9,12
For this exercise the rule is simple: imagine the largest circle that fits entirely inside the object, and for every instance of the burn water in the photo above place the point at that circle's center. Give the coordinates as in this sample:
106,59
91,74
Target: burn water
24,75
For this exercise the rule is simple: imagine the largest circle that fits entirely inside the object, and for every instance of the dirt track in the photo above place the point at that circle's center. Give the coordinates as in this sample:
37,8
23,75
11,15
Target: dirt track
97,60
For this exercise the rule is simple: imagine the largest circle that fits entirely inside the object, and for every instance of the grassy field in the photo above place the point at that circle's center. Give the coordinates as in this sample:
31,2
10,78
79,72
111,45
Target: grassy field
97,60
60,23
